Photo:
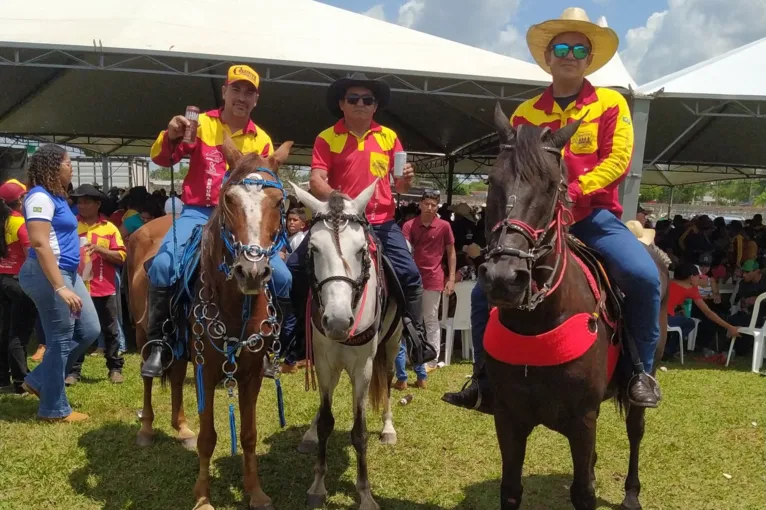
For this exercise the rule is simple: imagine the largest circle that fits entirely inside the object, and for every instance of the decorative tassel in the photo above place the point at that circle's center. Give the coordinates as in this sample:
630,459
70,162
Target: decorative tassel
200,391
280,404
233,429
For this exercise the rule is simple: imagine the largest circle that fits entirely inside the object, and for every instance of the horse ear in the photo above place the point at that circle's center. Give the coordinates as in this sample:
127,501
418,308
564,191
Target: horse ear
230,152
308,199
560,138
503,125
359,204
280,155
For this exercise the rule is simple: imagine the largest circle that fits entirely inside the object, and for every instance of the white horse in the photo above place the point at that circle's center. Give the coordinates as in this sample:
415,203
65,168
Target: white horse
346,323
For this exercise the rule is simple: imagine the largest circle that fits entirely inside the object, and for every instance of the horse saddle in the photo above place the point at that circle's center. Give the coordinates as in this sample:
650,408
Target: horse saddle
605,290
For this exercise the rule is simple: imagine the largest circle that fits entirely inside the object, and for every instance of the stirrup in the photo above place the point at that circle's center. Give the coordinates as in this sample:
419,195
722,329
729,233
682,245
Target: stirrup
165,345
657,389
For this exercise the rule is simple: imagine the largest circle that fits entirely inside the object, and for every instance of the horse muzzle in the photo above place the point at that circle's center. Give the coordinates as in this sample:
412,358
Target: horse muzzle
504,281
337,326
251,276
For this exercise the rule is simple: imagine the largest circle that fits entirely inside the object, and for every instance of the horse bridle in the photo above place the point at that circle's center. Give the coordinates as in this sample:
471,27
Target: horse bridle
253,251
336,223
541,241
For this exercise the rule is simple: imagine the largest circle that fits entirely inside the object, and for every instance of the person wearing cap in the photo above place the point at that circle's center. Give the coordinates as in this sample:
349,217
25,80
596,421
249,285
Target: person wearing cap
350,156
201,186
18,313
597,158
105,251
431,239
752,285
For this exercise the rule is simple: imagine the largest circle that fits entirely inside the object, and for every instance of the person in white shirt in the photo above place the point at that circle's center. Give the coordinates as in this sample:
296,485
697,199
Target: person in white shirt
296,222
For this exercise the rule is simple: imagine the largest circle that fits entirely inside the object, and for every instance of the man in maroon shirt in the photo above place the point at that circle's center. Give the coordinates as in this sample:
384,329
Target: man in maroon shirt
430,238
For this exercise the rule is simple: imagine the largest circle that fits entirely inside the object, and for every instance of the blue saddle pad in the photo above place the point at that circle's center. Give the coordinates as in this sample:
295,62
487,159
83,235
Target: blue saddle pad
183,297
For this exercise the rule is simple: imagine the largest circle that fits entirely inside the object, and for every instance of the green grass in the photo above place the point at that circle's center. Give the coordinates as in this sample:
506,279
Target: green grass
445,457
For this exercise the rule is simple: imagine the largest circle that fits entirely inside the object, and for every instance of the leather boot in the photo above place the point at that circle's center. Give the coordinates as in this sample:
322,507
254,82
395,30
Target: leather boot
159,312
644,391
471,396
419,350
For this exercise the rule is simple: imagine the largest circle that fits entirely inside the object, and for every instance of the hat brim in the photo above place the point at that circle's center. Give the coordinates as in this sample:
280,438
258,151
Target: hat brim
338,88
96,196
648,237
604,41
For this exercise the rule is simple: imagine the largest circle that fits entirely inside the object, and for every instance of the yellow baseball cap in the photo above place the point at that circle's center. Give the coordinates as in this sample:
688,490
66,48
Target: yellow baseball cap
241,72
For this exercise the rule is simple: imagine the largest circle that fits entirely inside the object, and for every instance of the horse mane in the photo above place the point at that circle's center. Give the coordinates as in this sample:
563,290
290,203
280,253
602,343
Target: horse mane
335,205
529,157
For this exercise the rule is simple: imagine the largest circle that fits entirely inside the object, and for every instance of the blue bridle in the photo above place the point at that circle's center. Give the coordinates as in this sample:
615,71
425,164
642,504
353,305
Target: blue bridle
254,251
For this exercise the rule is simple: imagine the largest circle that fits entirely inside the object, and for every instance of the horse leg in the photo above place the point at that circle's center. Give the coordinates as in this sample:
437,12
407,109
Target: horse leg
317,493
361,387
635,425
582,443
145,435
207,438
388,435
512,438
310,438
177,376
248,396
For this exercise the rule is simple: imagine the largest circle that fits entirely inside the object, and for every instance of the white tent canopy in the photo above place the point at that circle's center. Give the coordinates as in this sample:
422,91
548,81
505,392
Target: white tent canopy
614,73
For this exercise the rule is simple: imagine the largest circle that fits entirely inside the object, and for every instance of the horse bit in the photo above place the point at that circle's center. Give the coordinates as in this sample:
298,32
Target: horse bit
536,238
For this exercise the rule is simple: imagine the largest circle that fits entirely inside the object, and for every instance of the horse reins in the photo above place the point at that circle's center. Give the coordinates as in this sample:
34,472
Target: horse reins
558,217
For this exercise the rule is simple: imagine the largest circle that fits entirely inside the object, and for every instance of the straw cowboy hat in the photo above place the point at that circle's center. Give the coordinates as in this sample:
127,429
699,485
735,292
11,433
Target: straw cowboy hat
338,88
464,210
645,235
603,40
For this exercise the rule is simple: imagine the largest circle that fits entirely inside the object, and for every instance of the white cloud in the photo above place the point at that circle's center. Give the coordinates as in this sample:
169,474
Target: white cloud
691,31
376,11
483,23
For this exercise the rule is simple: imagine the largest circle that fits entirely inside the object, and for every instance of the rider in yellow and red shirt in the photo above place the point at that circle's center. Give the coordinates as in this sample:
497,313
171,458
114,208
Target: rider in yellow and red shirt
201,187
17,310
597,158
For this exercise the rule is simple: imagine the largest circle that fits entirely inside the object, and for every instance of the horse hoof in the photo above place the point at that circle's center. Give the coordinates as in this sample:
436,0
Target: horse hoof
263,507
307,447
190,443
388,438
316,500
144,440
369,505
630,504
205,506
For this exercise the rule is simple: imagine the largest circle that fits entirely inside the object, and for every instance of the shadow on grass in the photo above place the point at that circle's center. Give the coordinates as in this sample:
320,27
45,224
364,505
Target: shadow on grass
15,408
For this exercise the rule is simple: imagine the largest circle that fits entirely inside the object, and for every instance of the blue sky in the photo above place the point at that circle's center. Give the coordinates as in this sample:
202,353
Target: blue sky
657,37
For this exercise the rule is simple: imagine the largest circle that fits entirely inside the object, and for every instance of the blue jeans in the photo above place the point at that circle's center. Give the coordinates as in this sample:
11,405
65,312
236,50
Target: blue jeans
164,267
66,338
687,326
401,361
634,271
479,319
101,343
395,248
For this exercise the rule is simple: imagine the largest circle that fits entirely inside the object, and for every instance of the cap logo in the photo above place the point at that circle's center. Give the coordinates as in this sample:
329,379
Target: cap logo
244,72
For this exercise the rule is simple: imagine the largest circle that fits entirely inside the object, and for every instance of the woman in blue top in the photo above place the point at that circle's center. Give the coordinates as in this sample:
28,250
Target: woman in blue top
49,276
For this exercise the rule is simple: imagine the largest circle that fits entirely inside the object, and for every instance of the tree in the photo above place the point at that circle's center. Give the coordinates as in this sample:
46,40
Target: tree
294,173
163,173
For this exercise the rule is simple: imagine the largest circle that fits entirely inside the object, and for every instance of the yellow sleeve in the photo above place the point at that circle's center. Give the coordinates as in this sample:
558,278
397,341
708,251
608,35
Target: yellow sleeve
615,144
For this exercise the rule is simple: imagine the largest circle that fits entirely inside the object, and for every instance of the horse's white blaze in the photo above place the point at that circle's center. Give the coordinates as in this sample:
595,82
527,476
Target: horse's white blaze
250,198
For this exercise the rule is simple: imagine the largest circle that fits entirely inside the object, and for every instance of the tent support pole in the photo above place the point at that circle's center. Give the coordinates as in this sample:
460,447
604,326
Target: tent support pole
670,205
450,179
104,172
631,188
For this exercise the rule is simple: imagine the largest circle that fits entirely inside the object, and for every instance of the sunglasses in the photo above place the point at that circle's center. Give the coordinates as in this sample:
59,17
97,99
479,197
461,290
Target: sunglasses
579,51
367,99
431,193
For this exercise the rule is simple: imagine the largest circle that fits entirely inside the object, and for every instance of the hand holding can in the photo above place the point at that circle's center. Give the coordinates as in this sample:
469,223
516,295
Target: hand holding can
400,159
192,115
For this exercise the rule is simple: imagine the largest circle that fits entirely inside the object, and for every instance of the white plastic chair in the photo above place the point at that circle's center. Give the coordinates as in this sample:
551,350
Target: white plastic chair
460,322
756,333
692,341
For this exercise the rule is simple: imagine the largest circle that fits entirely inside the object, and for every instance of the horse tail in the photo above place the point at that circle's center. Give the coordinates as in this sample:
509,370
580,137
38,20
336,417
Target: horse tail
380,382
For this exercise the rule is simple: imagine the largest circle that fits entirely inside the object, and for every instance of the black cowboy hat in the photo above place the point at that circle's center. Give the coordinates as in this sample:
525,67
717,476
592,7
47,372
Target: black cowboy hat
338,88
88,190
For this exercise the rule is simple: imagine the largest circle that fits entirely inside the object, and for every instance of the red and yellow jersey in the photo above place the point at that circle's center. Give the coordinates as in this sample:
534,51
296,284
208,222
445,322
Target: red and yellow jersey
598,156
16,239
352,163
102,233
207,165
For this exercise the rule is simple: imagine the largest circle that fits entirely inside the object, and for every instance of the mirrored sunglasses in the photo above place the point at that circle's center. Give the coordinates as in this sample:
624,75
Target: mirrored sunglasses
579,51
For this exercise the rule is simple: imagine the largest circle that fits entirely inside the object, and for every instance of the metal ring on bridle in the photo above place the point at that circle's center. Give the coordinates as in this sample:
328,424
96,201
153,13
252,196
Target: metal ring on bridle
227,362
204,288
216,329
276,346
172,325
254,343
230,384
198,329
206,311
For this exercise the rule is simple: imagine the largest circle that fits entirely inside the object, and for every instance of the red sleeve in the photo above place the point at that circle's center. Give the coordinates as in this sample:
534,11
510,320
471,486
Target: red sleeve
321,156
165,153
693,293
407,230
266,150
23,236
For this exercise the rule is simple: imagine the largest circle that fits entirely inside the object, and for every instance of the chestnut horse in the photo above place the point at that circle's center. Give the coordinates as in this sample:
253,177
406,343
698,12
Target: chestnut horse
232,324
533,276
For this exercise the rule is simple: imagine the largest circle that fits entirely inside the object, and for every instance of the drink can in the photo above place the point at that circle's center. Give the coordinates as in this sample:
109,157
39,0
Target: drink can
75,315
192,115
400,158
406,400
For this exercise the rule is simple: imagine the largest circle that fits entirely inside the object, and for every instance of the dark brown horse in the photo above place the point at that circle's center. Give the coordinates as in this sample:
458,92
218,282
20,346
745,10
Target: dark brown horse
223,346
537,284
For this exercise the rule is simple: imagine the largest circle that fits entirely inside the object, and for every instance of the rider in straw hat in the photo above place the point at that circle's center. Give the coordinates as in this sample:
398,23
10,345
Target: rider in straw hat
597,159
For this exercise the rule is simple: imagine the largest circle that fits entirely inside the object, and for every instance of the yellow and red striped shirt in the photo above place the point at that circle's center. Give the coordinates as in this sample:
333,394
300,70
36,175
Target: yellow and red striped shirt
16,239
207,165
598,156
102,233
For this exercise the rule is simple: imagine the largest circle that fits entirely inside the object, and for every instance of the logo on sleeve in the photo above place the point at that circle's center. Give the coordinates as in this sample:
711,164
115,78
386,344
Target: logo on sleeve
37,209
626,120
